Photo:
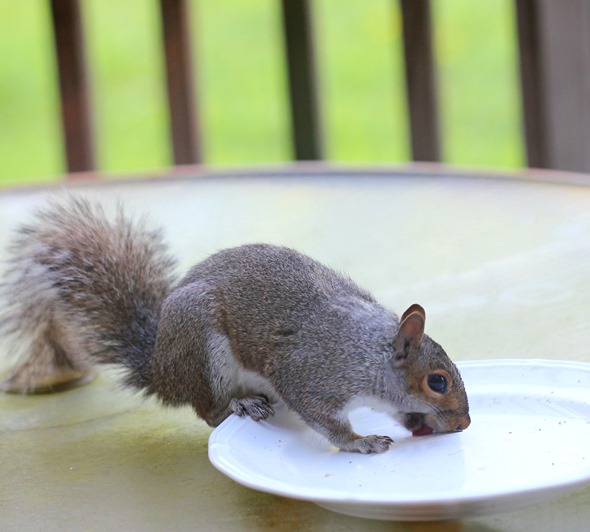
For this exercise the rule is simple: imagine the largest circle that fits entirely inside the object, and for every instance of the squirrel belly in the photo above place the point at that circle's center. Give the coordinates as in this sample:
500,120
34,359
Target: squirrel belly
244,328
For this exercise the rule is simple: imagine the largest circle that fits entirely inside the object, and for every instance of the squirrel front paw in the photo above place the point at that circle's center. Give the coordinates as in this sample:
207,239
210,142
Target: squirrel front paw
371,444
256,406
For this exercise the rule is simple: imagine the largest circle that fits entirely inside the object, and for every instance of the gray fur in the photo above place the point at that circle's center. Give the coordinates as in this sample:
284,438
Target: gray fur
244,328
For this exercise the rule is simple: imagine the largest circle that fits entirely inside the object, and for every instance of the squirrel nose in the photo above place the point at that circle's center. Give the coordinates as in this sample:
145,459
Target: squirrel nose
464,423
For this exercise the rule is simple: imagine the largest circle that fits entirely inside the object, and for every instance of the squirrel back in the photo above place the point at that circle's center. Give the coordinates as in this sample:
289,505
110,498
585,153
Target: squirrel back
245,328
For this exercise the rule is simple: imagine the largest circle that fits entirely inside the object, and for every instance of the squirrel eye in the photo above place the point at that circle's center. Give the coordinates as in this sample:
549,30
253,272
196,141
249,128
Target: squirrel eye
437,383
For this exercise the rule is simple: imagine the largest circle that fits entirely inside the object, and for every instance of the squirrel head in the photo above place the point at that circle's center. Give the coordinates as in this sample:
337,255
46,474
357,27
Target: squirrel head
435,398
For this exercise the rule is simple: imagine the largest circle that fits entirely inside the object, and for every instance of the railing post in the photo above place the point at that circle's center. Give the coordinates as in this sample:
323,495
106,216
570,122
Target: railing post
179,77
305,108
532,83
554,51
420,80
74,95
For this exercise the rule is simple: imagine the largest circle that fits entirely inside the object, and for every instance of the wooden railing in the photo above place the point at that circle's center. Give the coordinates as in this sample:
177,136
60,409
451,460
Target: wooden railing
554,57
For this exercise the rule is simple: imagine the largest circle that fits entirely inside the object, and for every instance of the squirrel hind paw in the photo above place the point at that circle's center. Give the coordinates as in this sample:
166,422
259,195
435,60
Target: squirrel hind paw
258,407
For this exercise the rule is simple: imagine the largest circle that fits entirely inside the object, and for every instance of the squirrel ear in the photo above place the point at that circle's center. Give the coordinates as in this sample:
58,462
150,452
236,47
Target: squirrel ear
414,308
410,332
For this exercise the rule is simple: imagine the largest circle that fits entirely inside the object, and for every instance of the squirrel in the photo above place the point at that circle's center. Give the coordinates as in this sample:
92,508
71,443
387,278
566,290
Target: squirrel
245,328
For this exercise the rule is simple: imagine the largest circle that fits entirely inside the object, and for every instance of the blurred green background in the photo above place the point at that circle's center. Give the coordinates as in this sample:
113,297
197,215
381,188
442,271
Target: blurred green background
242,95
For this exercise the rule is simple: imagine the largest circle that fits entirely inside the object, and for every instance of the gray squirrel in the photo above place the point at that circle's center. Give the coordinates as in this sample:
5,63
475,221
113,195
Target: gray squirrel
245,328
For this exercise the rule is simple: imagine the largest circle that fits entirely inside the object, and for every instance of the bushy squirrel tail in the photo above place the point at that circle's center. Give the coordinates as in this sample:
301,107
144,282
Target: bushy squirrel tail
79,285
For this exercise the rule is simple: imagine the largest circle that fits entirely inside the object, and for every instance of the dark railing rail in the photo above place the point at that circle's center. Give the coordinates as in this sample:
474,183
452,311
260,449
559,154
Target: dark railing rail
554,46
76,113
554,53
420,80
304,96
184,128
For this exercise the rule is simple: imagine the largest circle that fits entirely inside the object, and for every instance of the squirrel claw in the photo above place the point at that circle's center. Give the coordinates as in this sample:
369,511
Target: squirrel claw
373,444
256,406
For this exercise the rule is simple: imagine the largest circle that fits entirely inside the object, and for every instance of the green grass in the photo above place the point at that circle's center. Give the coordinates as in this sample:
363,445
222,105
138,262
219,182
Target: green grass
242,84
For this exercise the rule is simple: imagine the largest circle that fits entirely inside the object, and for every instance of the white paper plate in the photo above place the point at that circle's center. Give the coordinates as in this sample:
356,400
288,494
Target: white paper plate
529,441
